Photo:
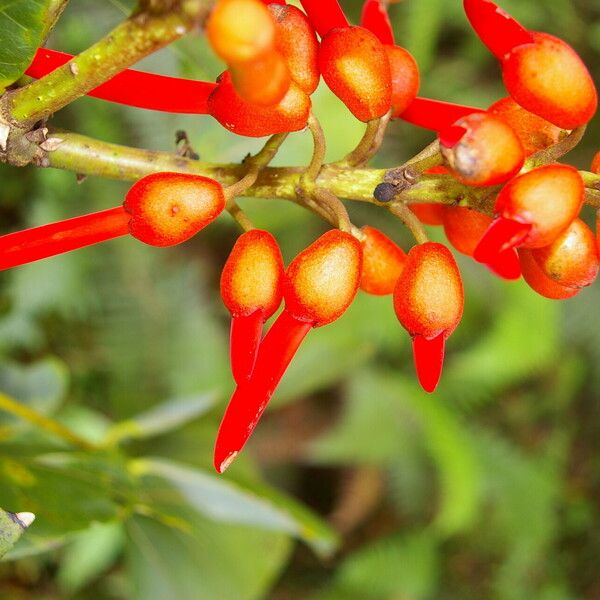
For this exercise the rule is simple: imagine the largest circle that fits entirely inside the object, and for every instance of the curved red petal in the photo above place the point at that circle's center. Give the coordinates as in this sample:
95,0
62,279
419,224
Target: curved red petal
375,18
136,88
245,335
252,396
506,265
429,360
495,27
501,235
63,236
435,114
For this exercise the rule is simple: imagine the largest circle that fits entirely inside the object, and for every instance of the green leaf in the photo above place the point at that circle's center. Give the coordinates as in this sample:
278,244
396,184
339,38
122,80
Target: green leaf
88,554
521,341
249,504
21,27
401,566
390,404
12,527
162,418
41,386
66,492
212,560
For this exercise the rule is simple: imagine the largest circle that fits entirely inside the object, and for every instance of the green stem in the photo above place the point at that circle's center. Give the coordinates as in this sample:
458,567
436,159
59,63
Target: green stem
87,156
12,406
53,11
255,165
132,40
408,217
318,157
553,153
369,144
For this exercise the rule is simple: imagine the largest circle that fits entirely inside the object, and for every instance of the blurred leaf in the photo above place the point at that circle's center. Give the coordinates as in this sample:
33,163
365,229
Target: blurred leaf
401,566
162,418
66,492
41,385
521,342
223,500
213,560
523,492
425,18
369,406
21,26
386,402
12,527
88,554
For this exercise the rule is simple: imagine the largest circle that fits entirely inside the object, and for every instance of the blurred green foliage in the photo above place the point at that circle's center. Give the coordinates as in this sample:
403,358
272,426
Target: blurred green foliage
489,488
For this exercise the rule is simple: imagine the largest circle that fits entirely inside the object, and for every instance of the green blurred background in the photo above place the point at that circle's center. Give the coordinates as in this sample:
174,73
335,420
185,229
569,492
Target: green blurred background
356,485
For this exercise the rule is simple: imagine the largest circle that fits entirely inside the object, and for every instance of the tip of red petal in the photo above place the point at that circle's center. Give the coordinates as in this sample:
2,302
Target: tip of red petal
503,234
222,464
450,136
429,359
506,265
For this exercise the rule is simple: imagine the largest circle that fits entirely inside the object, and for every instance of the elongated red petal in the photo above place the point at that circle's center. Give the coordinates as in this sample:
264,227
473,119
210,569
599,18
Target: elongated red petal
495,27
501,235
251,397
375,18
450,136
246,332
136,88
48,240
324,15
435,114
506,265
429,360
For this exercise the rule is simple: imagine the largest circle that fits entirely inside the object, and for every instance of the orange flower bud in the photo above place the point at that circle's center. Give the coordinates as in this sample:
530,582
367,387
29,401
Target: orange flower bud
323,279
354,65
383,262
240,30
428,300
169,208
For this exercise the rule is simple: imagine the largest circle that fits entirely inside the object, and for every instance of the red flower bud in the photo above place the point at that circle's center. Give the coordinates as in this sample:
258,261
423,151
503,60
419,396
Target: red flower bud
263,81
243,118
428,300
319,285
540,282
481,150
534,209
354,65
251,288
322,280
550,80
296,41
383,262
534,132
464,228
572,258
541,72
169,208
240,30
405,78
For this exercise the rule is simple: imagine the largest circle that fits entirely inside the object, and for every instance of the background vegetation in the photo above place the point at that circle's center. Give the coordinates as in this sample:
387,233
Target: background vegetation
357,486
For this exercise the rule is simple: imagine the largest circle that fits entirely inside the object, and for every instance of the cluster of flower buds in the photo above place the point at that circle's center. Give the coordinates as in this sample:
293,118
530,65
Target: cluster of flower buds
275,55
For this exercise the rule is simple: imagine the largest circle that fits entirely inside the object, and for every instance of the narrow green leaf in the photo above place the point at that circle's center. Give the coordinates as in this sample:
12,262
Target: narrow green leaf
12,527
21,28
162,418
223,500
